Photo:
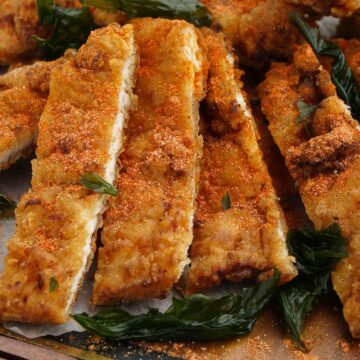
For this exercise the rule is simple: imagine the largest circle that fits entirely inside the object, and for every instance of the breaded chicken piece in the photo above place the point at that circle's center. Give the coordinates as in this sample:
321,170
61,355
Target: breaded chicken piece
80,132
259,29
148,228
326,164
338,8
19,21
247,240
23,95
104,18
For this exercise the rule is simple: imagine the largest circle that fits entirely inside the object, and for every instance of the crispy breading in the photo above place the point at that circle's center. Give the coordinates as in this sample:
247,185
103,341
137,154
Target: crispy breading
259,29
80,131
19,21
338,8
148,228
326,165
249,239
23,95
104,18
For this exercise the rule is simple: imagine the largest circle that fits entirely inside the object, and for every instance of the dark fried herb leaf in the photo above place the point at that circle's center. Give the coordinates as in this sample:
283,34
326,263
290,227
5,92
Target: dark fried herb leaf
70,28
53,284
196,318
192,11
342,76
299,297
305,111
226,201
97,184
6,205
316,253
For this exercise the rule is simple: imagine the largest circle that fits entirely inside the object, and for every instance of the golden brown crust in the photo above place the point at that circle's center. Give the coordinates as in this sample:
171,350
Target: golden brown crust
338,8
249,238
57,217
23,95
326,165
104,18
259,29
148,228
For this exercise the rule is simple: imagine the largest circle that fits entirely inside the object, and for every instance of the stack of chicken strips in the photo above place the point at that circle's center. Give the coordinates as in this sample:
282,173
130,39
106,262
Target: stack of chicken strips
157,109
125,92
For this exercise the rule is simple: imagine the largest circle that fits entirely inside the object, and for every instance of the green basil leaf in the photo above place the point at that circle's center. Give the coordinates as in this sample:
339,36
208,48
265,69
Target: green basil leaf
45,11
6,205
305,111
53,284
195,318
226,201
342,76
299,297
97,184
70,28
316,253
192,11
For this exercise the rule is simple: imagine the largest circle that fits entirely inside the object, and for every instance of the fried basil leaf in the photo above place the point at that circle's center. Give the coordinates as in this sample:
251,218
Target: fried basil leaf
342,76
192,11
316,253
53,284
305,111
226,201
97,184
195,318
6,205
70,28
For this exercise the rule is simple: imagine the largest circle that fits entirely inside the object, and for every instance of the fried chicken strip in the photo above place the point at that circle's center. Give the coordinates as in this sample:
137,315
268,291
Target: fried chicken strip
148,228
80,132
23,95
338,8
326,165
259,29
247,240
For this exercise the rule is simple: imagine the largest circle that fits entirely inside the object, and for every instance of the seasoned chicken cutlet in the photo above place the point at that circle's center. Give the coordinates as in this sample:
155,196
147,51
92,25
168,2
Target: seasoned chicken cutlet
19,21
248,239
148,228
338,8
323,156
23,95
80,131
259,29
